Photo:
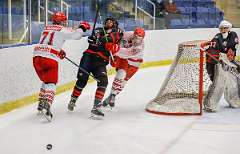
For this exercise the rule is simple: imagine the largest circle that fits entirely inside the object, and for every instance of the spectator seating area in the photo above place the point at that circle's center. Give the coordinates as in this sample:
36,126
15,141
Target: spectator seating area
197,13
87,12
194,13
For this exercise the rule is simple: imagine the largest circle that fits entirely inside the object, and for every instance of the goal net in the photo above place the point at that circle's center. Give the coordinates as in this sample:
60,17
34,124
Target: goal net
183,89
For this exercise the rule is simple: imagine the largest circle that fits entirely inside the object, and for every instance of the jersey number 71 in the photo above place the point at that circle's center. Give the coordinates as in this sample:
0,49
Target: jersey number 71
47,38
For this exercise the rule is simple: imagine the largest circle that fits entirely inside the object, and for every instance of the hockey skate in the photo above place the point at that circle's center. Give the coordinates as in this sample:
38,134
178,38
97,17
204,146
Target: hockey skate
110,100
40,105
72,103
45,110
209,110
96,112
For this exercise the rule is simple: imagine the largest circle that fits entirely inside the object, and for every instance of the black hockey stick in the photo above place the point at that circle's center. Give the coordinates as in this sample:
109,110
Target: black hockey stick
96,17
105,35
81,69
225,66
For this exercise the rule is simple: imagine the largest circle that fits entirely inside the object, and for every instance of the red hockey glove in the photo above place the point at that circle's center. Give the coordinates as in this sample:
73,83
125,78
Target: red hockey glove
230,55
62,54
84,25
113,48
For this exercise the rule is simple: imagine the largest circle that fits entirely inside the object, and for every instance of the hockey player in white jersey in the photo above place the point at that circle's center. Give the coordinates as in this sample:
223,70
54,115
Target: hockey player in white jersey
47,53
127,62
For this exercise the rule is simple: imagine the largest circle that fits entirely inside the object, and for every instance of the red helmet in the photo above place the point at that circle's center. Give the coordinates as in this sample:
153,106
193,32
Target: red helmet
139,32
59,17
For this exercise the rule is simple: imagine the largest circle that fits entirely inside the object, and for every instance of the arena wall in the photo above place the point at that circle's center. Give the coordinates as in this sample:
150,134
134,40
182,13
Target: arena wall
19,82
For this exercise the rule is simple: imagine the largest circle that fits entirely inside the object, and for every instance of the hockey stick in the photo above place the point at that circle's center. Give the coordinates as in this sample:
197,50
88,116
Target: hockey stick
104,31
96,16
225,66
81,69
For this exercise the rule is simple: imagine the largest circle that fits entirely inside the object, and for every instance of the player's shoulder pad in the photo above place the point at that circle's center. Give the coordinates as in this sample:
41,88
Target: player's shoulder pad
119,30
218,35
234,34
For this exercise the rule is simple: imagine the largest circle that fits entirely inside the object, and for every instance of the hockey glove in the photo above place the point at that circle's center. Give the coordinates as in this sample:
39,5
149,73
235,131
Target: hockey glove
112,47
230,55
84,26
62,54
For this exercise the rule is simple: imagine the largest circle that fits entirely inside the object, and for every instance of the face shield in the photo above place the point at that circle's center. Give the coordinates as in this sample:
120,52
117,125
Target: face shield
224,28
137,39
224,31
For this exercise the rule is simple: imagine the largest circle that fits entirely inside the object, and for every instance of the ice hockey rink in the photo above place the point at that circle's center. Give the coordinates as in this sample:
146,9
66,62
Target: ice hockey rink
127,129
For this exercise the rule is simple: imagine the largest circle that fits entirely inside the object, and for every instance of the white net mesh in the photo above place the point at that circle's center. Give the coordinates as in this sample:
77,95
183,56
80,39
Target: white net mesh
179,93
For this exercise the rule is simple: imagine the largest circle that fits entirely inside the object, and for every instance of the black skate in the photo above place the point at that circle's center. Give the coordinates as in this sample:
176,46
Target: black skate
209,110
40,105
96,113
72,104
46,112
110,100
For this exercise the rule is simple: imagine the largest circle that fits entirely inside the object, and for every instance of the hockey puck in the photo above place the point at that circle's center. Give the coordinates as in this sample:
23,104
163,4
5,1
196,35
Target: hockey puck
49,146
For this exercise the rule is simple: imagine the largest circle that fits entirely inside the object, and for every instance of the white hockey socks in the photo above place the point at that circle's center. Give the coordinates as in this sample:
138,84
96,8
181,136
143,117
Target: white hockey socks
119,82
50,92
42,92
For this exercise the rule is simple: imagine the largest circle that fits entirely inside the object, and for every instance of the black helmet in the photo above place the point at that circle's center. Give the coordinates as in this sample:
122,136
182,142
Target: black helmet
115,22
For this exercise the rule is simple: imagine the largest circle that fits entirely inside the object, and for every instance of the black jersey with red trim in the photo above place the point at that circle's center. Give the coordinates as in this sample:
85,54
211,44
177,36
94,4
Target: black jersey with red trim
101,36
219,44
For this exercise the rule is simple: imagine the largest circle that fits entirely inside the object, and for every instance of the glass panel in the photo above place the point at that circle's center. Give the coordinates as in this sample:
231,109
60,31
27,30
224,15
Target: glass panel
150,14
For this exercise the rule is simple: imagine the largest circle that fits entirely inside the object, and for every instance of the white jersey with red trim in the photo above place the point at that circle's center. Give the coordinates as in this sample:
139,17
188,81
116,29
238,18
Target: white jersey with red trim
52,40
131,50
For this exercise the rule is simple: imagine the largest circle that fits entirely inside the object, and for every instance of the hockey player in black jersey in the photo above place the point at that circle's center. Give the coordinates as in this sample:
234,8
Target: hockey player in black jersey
226,41
103,44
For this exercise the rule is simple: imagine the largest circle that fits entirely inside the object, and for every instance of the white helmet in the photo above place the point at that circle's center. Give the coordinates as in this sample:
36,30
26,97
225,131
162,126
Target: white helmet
225,23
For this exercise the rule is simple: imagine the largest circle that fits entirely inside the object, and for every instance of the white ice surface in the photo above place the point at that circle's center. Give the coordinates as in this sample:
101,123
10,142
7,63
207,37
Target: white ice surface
128,129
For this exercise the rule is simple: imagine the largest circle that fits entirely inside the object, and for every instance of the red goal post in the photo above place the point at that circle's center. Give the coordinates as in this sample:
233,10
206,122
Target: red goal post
186,83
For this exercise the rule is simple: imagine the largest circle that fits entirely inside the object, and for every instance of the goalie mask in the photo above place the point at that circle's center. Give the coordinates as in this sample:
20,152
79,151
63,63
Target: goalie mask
224,28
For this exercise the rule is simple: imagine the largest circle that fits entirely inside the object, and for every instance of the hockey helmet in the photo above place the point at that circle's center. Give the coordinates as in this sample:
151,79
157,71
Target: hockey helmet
225,27
139,32
59,17
225,24
115,22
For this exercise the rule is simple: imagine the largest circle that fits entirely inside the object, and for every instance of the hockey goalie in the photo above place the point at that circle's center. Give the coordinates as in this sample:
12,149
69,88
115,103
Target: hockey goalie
222,69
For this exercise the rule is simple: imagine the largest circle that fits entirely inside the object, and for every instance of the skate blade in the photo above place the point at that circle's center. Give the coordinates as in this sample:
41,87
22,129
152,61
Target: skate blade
70,110
96,117
107,109
48,118
39,113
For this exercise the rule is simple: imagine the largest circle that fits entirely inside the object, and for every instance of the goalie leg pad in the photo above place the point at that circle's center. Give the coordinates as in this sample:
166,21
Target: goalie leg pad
232,90
215,90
